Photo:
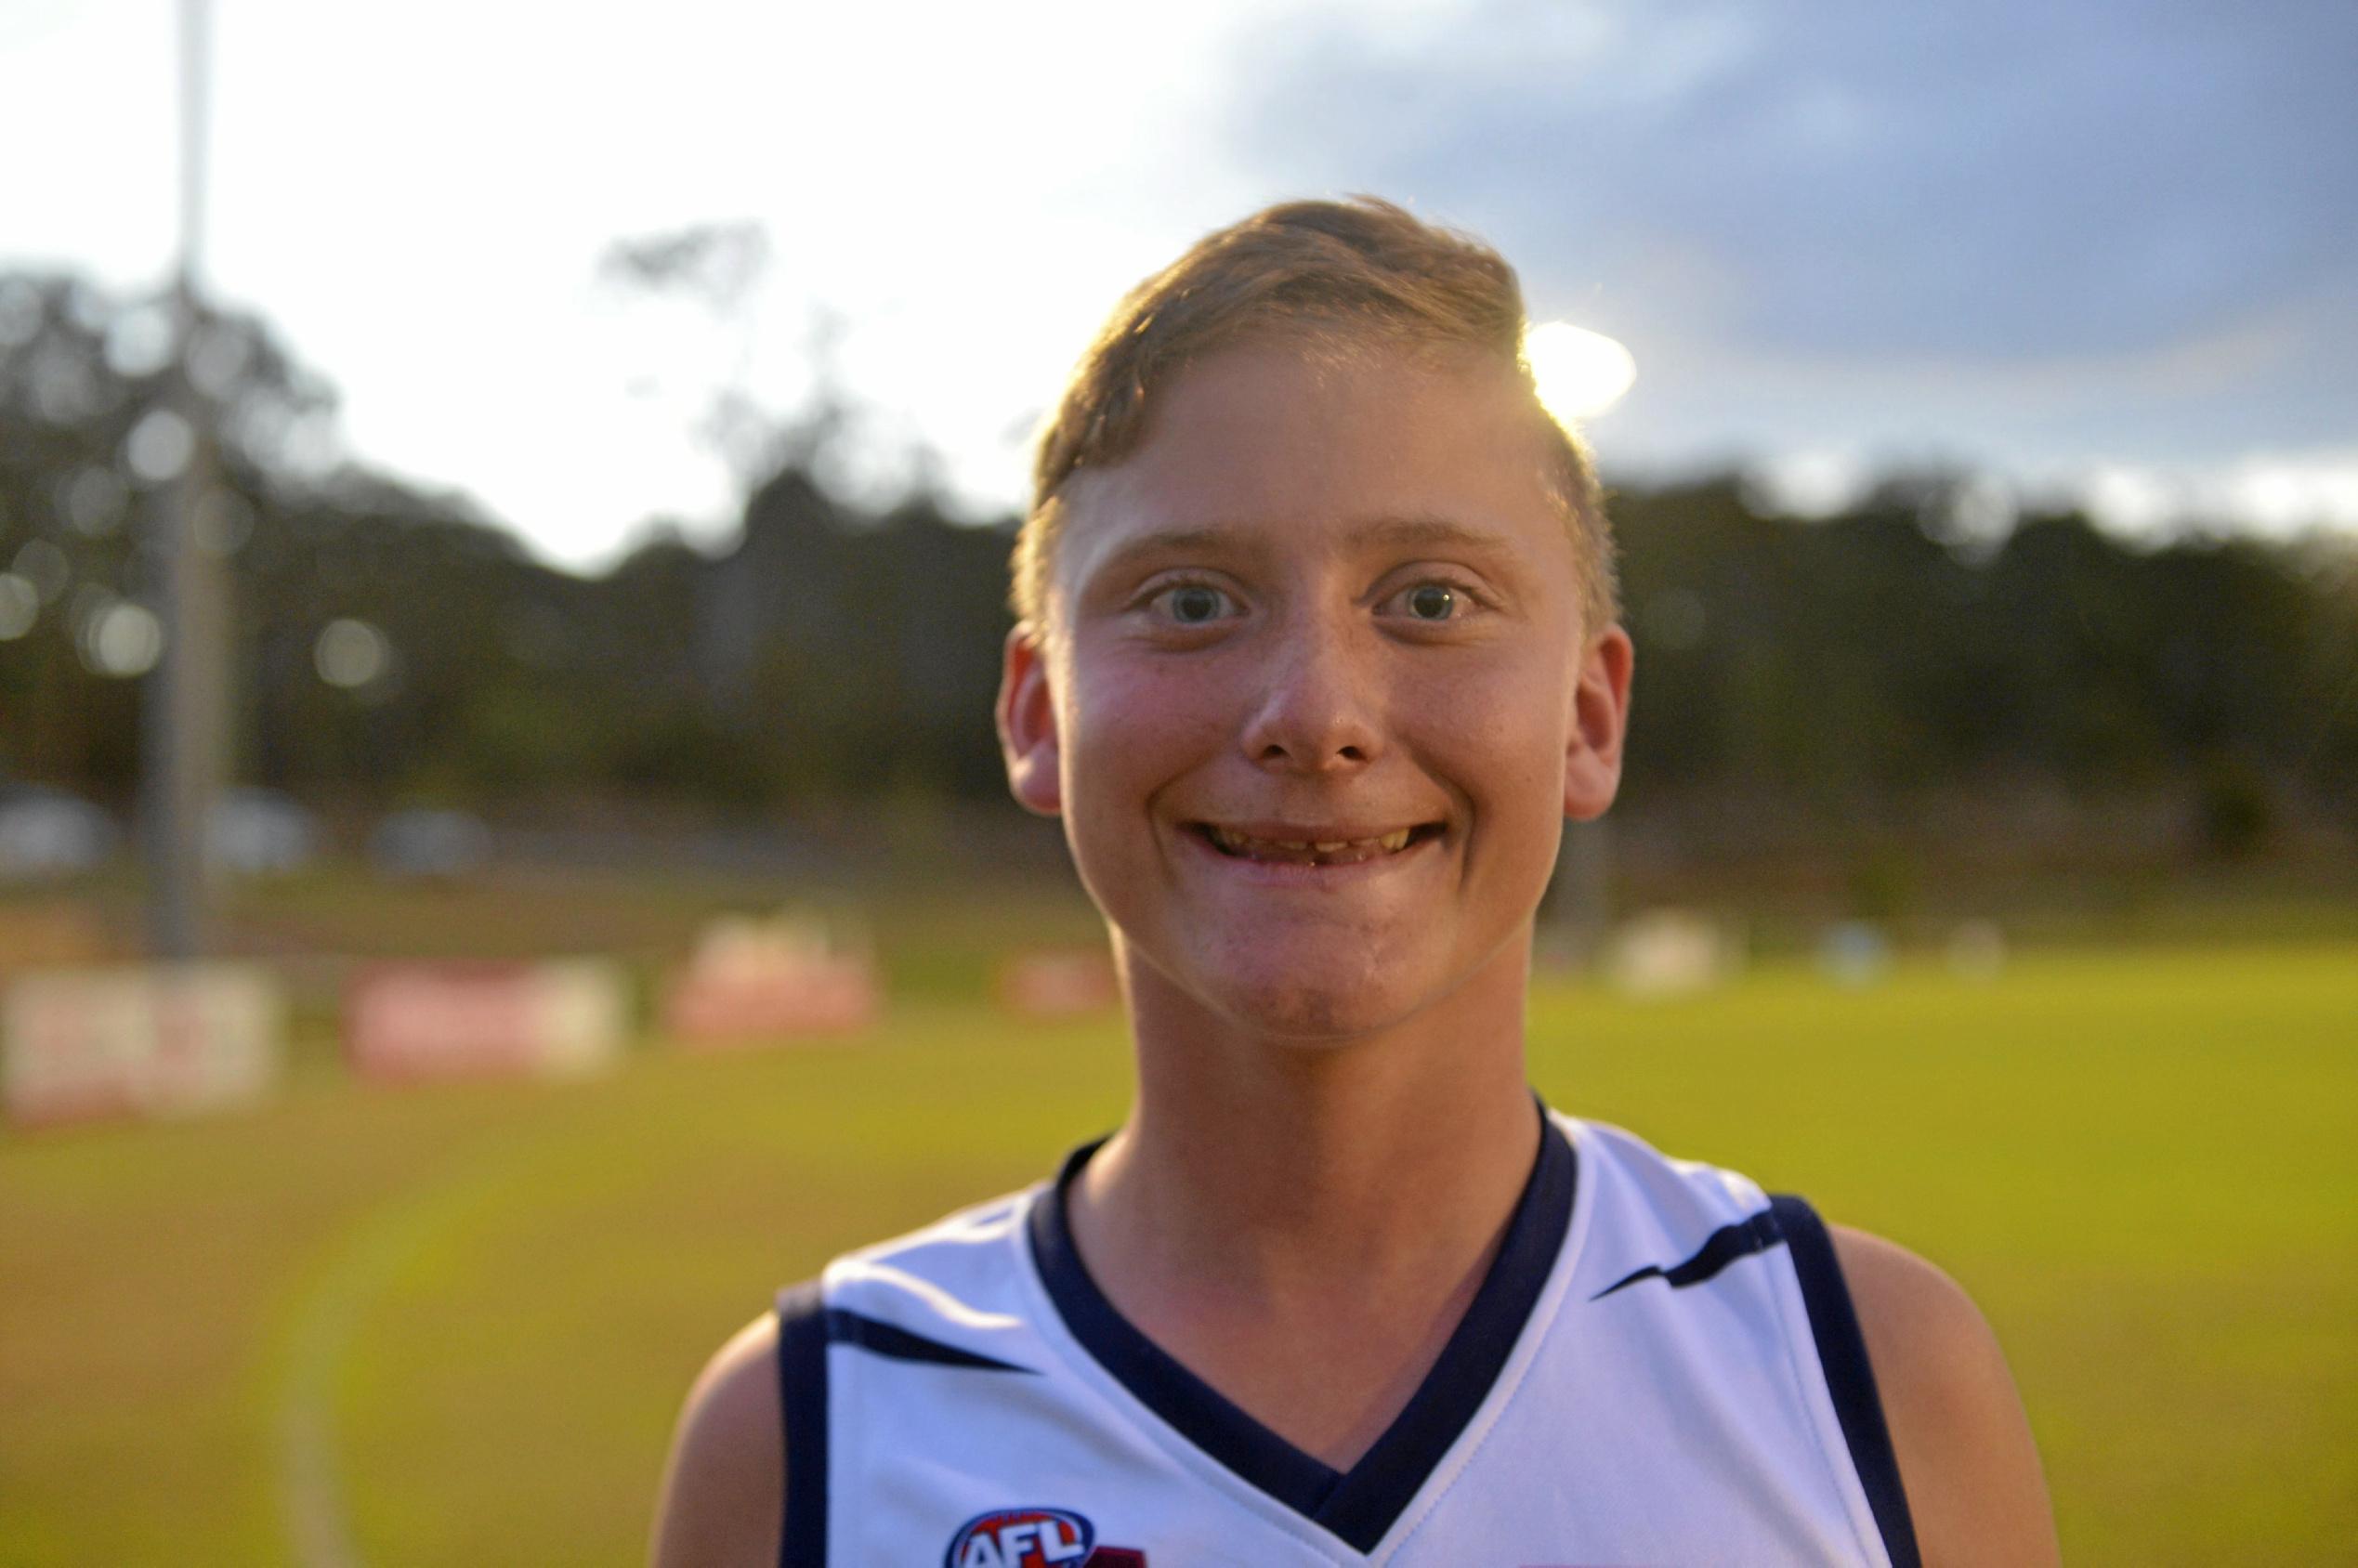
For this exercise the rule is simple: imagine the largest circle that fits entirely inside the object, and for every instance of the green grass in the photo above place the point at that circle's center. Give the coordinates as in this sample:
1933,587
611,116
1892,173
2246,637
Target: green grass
482,1305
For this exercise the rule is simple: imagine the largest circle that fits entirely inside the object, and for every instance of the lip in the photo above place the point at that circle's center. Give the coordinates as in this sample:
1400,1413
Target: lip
1310,832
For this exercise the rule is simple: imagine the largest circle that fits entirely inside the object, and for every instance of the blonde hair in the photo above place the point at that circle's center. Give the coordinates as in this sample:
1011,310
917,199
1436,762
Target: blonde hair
1362,271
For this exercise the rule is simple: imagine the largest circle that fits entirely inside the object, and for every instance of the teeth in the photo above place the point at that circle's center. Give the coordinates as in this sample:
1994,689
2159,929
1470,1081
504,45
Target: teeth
1241,843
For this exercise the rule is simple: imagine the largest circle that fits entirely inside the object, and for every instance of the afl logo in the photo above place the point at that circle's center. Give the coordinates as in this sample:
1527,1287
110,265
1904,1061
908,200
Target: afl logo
1022,1538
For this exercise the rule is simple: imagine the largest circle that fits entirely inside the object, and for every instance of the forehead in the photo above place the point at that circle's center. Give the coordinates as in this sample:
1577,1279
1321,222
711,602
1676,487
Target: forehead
1297,447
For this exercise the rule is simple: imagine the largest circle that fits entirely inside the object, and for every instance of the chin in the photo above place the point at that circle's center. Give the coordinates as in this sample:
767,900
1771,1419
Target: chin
1282,1005
1315,1021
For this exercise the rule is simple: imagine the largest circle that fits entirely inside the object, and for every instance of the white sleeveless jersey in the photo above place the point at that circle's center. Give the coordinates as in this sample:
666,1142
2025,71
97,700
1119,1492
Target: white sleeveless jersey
1661,1368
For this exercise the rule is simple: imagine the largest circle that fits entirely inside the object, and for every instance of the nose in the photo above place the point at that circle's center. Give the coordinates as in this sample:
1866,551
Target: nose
1318,707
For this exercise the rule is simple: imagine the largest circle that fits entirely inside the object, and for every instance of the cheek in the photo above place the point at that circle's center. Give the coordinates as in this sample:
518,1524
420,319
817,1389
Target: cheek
1131,732
1146,705
1499,741
1503,727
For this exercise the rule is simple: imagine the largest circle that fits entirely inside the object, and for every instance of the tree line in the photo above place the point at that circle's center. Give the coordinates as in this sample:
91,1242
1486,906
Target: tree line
1827,671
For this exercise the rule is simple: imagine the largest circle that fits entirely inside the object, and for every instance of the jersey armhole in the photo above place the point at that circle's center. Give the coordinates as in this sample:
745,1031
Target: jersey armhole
802,1399
1850,1378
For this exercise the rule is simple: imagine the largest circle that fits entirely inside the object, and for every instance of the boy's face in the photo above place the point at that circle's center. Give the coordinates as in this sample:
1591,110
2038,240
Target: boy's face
1313,699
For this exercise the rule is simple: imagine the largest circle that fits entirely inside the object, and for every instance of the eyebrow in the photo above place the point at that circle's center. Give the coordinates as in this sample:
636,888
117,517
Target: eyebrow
1173,542
1425,529
1419,529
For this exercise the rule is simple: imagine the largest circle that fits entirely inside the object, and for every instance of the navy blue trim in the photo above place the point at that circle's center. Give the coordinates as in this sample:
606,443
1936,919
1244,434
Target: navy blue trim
846,1326
1756,1233
1842,1351
1200,1412
1360,1505
1388,1477
802,1392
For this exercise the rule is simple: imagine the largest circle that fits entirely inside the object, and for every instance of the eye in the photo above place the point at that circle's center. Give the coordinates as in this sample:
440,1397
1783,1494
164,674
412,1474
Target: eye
1430,601
1193,604
1446,601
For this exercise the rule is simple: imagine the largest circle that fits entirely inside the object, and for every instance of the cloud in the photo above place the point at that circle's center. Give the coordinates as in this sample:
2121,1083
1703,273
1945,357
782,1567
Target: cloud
2008,181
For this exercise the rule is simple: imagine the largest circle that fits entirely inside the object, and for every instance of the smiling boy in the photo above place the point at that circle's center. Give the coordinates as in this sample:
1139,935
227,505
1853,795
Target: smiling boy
1318,651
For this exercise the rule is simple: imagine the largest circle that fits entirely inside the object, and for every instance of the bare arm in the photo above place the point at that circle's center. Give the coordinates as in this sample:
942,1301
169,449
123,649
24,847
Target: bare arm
725,1491
1974,1487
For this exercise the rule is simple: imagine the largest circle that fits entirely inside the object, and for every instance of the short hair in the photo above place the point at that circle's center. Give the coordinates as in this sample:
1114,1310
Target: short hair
1336,274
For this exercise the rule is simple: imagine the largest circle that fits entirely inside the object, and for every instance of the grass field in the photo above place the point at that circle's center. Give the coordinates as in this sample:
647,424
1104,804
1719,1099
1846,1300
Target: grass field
452,1326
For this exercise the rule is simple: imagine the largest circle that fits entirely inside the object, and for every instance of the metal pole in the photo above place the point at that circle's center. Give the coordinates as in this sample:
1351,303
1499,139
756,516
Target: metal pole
185,703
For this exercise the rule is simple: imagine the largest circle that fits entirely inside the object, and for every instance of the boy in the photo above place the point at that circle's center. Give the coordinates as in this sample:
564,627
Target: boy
1317,649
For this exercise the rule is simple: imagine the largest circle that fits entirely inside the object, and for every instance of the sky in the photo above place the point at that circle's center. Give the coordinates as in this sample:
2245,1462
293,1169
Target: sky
2105,250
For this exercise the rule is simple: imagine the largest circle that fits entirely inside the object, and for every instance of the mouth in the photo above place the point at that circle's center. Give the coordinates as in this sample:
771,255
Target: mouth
1314,851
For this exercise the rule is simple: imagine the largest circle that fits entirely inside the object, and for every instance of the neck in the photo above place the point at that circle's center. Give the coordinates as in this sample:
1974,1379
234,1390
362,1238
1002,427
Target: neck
1304,1223
1287,1169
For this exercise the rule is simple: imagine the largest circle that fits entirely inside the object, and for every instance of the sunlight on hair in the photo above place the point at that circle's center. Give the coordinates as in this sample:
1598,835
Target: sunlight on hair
1578,373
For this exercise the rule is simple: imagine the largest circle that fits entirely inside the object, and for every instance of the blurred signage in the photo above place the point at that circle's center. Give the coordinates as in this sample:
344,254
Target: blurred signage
410,1022
1854,954
1976,950
38,937
155,1041
1668,952
1058,984
755,980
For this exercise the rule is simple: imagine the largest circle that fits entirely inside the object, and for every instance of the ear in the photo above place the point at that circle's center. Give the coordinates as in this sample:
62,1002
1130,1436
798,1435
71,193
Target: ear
1600,719
1027,723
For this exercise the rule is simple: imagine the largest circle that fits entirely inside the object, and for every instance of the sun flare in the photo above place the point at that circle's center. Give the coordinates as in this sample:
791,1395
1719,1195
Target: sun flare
1580,373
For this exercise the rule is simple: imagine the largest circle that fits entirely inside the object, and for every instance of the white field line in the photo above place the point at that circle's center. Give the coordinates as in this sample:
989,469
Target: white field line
313,1507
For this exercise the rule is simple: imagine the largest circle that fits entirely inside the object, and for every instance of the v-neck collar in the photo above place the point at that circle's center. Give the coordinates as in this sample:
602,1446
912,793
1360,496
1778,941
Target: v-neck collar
1360,1504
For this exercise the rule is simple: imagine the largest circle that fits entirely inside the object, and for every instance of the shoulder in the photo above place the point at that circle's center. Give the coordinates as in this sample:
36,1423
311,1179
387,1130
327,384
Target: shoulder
724,1496
1964,1446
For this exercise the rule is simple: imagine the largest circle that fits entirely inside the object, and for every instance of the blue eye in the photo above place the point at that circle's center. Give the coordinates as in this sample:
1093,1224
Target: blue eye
1431,601
1195,604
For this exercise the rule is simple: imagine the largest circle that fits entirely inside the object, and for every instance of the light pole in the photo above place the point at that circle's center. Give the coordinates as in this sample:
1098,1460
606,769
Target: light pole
185,705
